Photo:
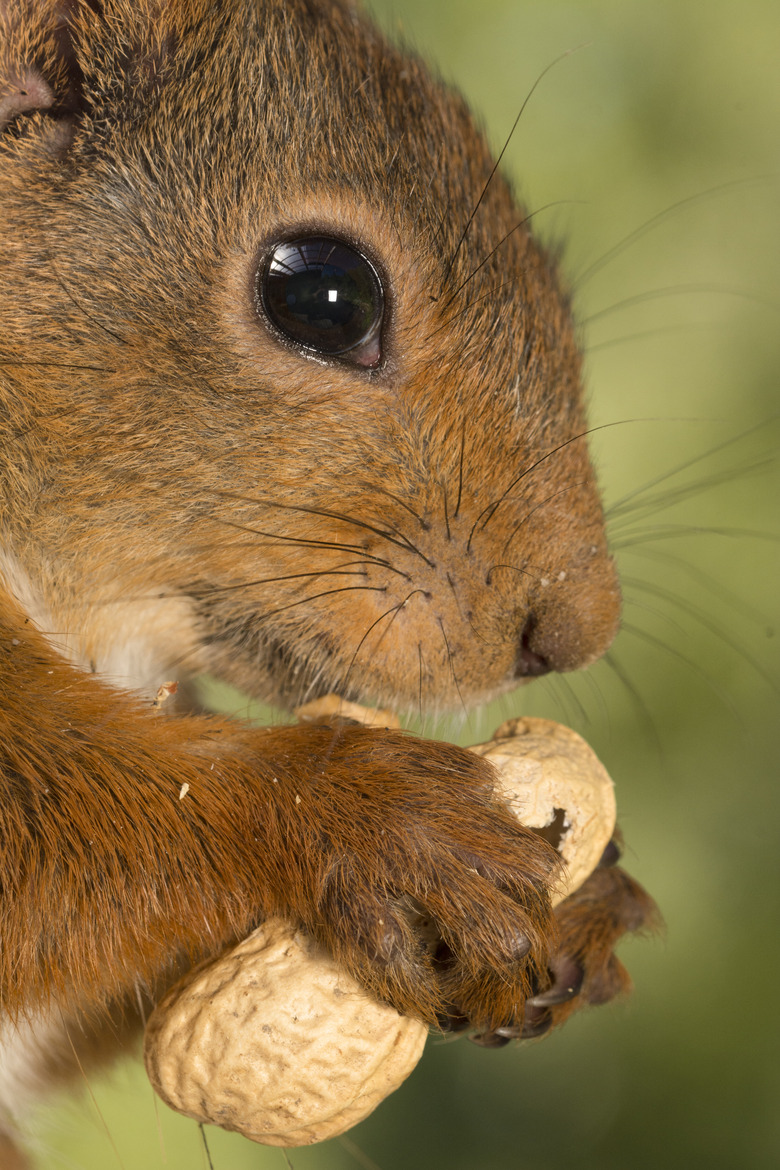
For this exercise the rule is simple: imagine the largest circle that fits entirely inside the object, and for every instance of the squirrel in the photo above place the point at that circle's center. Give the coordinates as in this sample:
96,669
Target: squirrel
291,395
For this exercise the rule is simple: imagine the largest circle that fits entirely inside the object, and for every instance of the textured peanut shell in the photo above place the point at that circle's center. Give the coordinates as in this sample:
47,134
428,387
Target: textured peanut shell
274,1041
551,778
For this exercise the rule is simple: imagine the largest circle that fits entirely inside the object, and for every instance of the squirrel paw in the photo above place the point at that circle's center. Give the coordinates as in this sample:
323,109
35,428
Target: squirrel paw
584,969
421,885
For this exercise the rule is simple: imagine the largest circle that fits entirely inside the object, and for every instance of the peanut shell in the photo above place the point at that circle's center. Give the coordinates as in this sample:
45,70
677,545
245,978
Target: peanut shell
554,781
274,1041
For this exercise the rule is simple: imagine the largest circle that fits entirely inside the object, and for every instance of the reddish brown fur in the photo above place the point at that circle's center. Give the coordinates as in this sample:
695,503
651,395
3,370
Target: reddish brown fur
182,491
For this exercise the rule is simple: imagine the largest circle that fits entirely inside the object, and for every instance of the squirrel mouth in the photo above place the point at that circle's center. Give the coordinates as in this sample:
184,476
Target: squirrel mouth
277,671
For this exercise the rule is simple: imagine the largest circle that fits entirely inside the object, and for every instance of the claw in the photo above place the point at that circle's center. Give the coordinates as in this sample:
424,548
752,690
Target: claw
567,982
611,855
490,1039
452,1021
538,1020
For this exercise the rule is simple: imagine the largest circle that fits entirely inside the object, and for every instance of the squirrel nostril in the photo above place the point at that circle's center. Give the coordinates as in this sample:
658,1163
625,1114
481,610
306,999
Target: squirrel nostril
529,663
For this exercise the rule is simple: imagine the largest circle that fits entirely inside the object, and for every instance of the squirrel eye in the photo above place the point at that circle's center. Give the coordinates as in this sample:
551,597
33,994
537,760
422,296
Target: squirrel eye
325,296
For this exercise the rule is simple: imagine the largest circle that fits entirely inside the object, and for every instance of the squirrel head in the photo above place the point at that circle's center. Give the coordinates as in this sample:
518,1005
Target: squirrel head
396,503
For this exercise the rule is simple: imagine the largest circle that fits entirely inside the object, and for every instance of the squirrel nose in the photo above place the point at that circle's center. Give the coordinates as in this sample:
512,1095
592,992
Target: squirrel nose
570,629
529,663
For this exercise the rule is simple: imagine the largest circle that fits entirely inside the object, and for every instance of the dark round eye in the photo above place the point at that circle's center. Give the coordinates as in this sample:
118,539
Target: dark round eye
325,296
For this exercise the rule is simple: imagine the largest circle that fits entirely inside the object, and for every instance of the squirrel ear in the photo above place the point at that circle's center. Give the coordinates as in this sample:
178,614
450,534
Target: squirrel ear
40,76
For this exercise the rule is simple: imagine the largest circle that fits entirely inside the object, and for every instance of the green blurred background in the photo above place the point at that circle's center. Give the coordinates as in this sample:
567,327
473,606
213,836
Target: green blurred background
670,105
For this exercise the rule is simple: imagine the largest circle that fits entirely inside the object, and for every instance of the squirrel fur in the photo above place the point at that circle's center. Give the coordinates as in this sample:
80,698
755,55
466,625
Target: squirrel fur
183,491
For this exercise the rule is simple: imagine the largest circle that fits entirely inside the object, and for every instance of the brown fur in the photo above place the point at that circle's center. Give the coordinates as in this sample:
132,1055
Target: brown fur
183,493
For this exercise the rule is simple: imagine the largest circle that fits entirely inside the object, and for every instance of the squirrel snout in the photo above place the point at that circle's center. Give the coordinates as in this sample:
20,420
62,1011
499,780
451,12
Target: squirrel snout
529,663
572,630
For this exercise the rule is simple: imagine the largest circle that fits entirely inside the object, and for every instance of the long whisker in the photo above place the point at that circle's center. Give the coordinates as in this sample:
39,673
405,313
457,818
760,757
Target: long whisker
634,538
653,294
460,469
667,595
315,596
718,590
451,662
446,512
520,223
644,713
649,503
394,610
402,504
491,292
59,366
660,644
393,536
78,305
491,509
620,505
649,224
565,684
300,542
206,1149
570,487
644,334
497,164
210,591
514,568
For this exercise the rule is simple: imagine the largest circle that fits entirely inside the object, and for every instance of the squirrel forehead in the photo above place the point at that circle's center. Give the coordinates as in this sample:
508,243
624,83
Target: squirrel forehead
246,102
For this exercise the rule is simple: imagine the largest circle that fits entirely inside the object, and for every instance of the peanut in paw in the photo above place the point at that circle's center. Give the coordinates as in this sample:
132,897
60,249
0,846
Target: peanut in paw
555,783
276,1042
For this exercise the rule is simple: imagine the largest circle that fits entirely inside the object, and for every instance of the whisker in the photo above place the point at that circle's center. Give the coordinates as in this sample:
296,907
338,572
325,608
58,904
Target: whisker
210,591
654,220
60,366
77,305
402,504
619,505
460,469
87,1085
644,334
653,294
660,644
716,588
206,1149
514,568
492,508
663,501
451,662
359,1155
641,536
300,542
668,595
392,536
563,682
315,596
641,706
520,223
541,504
394,610
497,164
443,487
491,292
590,681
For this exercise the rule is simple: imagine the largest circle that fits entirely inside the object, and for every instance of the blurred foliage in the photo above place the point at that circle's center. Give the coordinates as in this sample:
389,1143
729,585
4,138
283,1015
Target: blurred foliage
666,118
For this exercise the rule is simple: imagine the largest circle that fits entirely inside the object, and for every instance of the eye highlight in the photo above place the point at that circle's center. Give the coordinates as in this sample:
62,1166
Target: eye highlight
324,296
